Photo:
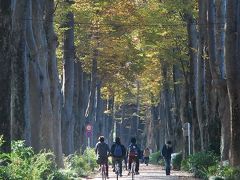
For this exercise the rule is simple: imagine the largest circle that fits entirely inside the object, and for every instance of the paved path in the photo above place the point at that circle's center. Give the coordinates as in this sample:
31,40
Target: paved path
150,172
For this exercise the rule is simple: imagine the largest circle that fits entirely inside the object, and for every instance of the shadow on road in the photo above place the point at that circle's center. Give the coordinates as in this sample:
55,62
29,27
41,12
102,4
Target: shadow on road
148,173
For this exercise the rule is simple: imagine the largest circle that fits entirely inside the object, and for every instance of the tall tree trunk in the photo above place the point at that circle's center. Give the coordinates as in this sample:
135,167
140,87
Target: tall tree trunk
192,44
46,114
34,78
216,54
178,131
99,114
223,109
55,93
162,121
84,103
92,94
232,47
5,73
167,102
200,74
77,106
155,126
20,122
68,87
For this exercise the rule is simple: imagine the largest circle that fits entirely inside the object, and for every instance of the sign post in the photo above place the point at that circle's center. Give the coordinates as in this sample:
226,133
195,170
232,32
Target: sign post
187,132
89,133
189,142
89,129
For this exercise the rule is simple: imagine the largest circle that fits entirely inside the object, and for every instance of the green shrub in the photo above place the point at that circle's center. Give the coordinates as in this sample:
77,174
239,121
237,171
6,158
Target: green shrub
227,172
23,163
199,163
58,175
185,166
176,161
155,157
89,153
82,165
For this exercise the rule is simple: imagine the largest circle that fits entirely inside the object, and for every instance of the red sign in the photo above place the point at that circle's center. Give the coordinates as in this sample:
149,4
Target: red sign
89,129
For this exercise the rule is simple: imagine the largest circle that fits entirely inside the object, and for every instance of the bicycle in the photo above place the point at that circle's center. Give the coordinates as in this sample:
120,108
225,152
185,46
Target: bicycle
146,160
117,168
103,171
133,167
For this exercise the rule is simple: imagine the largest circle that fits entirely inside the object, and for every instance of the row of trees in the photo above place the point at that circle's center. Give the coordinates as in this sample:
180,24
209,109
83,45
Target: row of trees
207,96
130,68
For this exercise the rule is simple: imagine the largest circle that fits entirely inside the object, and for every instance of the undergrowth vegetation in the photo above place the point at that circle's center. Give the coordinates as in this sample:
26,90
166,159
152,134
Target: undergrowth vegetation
22,163
204,165
207,165
155,158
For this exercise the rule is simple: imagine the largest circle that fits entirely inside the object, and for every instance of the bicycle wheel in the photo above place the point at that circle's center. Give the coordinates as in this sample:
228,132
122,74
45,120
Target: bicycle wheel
103,170
117,169
133,169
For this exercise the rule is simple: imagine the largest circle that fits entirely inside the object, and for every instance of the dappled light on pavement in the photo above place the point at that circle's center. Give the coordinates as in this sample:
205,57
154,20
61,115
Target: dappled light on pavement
148,173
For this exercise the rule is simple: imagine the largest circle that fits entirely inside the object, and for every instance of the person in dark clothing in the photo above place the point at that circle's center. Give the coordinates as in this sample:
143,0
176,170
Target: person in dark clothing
133,153
118,153
102,151
166,153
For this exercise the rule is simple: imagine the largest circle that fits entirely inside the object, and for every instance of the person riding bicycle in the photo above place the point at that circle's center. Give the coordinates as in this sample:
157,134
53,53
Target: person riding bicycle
102,151
146,154
118,152
133,154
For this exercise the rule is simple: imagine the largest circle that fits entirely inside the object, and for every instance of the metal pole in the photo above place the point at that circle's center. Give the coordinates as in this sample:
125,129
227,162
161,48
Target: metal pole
189,142
88,139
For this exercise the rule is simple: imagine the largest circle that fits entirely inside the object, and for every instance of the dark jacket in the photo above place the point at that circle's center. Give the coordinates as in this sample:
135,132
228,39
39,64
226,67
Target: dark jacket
102,150
167,151
138,150
123,150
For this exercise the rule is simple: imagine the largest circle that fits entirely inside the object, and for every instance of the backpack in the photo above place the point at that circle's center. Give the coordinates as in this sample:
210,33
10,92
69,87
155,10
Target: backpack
133,151
118,151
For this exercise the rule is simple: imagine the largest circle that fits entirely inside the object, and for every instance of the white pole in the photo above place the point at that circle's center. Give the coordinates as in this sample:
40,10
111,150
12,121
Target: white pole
88,142
189,142
88,139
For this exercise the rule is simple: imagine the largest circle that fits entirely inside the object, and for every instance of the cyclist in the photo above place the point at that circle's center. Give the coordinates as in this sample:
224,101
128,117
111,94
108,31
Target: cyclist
146,154
133,153
118,152
102,151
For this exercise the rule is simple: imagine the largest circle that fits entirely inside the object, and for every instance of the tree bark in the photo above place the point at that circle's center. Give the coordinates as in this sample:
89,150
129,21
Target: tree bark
68,87
55,93
181,108
223,109
216,52
5,73
92,94
192,44
77,106
20,122
167,102
200,74
233,76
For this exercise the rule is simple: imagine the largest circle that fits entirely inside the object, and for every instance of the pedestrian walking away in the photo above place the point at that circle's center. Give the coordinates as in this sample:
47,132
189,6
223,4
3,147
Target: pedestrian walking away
166,153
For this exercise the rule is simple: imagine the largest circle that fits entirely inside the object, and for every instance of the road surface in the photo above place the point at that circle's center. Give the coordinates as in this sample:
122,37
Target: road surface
148,173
